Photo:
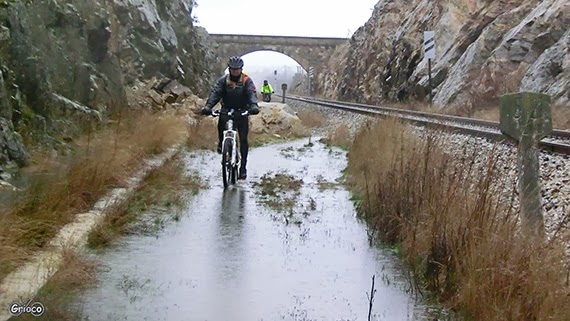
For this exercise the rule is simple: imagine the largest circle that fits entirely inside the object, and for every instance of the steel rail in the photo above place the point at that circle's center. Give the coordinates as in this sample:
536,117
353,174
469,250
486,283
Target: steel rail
439,121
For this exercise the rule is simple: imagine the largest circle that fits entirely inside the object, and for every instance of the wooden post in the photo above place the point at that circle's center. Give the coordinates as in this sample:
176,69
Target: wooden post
284,88
526,117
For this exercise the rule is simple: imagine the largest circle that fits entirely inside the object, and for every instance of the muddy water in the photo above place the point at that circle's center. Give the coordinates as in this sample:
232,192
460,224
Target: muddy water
231,257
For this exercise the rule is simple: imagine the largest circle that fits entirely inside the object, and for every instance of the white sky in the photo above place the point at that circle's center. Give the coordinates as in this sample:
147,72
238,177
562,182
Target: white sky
304,18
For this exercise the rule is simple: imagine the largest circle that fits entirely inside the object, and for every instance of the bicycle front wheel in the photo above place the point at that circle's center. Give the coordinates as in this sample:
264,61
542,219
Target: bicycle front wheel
227,162
234,174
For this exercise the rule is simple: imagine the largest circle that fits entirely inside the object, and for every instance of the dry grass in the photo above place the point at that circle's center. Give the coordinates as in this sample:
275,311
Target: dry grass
461,242
280,182
62,289
340,136
260,139
203,134
491,113
416,106
103,159
279,191
165,187
311,119
561,117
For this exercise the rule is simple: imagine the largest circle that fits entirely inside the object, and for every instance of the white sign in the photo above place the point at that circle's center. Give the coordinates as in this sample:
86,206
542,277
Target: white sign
429,44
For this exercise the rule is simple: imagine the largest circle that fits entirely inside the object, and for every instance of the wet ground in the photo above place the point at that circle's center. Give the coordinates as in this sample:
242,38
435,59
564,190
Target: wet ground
241,255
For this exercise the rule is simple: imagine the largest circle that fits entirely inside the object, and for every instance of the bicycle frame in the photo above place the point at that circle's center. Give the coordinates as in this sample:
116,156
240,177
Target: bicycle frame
230,158
231,134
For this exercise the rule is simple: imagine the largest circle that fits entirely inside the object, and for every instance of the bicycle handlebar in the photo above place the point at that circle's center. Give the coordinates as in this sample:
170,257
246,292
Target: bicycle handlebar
216,113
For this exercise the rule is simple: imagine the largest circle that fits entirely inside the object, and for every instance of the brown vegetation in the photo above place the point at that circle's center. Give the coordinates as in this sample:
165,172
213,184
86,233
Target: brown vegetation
60,292
203,134
340,136
164,186
561,117
103,159
461,241
279,191
311,119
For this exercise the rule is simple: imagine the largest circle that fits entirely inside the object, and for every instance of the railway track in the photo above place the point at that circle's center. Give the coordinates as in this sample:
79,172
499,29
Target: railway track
558,141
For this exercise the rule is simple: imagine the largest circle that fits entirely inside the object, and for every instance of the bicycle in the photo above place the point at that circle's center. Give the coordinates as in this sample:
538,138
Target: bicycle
230,147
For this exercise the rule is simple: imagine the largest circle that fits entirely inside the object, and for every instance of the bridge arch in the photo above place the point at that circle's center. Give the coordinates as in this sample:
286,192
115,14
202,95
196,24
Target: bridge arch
296,59
307,51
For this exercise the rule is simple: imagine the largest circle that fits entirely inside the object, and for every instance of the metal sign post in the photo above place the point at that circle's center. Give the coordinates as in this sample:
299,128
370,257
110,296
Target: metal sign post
429,54
310,78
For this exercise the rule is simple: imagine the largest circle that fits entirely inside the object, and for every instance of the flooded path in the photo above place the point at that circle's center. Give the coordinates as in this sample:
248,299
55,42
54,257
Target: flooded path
231,257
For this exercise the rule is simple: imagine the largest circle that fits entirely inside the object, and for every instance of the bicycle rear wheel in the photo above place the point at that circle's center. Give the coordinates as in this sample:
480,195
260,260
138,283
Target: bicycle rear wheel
227,162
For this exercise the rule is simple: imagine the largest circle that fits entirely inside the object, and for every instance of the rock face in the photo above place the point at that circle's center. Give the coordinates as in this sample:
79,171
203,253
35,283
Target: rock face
483,49
63,62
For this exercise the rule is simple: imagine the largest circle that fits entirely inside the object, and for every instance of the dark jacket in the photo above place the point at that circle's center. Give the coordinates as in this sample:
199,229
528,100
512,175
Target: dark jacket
239,95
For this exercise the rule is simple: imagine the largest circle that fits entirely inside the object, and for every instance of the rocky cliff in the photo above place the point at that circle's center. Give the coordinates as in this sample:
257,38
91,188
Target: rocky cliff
66,61
483,49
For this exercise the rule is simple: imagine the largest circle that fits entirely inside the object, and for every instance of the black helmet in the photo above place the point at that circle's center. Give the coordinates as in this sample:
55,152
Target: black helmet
265,81
235,62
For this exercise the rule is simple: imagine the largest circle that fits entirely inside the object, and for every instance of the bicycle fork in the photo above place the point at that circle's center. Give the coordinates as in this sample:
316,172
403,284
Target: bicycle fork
234,156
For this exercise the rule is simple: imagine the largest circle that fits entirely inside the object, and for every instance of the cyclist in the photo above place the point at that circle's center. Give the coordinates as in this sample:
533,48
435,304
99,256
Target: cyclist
266,89
237,91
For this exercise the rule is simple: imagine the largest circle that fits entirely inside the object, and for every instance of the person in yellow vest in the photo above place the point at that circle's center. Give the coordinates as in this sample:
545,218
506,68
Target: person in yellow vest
235,90
266,91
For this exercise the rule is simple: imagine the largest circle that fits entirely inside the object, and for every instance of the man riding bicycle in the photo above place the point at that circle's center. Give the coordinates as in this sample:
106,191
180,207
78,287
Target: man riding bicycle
266,89
237,91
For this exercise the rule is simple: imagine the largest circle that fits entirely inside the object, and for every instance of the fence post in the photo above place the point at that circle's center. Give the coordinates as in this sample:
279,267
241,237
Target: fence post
284,88
526,117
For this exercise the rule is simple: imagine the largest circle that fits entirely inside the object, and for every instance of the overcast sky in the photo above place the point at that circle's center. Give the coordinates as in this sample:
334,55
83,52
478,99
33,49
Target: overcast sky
305,18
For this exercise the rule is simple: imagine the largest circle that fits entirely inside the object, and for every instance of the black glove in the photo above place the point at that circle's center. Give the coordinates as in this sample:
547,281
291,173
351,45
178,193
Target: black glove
253,110
206,111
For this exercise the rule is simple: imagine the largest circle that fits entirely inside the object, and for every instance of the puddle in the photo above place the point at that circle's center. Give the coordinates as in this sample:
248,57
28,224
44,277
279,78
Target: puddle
232,257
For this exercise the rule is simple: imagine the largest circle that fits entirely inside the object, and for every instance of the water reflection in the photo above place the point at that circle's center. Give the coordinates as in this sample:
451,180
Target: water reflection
233,202
230,245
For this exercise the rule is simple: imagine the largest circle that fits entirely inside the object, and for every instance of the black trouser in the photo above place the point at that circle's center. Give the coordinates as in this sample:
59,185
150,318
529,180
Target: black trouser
241,123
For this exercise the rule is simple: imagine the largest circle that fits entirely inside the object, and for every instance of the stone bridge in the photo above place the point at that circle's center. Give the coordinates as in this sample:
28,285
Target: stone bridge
307,51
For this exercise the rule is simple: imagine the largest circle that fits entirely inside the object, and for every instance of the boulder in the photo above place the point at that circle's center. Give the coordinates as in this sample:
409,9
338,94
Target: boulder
276,119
